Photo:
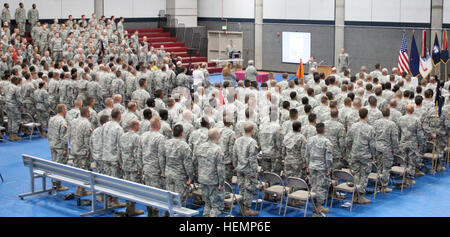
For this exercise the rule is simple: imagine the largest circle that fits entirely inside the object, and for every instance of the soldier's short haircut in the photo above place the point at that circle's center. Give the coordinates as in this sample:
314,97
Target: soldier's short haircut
386,112
147,114
286,104
305,100
357,101
177,130
351,95
428,93
320,128
418,100
115,113
109,102
312,117
347,101
60,108
248,127
164,114
118,73
419,90
293,94
131,105
142,82
293,113
155,121
104,119
41,84
213,134
334,113
78,103
409,108
158,93
296,126
204,122
310,91
378,91
363,113
307,108
84,111
89,100
333,104
372,101
133,123
324,99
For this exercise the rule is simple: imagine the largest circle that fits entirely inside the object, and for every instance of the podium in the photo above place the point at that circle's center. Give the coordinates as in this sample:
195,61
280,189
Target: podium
325,69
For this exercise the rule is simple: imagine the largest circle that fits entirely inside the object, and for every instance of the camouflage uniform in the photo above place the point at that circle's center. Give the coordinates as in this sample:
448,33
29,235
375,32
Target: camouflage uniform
153,158
130,154
386,144
178,167
335,132
245,151
80,134
270,139
41,98
58,138
126,118
293,151
361,139
319,158
96,146
197,138
111,148
187,129
309,131
226,142
411,137
432,124
13,106
211,174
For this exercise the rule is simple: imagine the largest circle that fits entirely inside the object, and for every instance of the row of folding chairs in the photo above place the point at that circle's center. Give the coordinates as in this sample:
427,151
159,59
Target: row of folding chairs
28,123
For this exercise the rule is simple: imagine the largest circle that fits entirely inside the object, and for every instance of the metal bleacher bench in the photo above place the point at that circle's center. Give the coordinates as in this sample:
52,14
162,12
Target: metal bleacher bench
103,184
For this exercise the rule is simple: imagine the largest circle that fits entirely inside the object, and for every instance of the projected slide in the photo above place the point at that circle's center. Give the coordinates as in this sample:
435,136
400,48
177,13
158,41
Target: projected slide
296,45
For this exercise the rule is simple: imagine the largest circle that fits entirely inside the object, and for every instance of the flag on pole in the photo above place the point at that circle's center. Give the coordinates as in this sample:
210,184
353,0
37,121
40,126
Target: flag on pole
436,52
403,58
414,59
426,64
300,71
444,49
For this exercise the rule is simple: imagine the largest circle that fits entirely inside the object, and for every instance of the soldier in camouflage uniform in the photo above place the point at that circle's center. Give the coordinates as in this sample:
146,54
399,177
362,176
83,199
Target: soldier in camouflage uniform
335,132
179,169
293,152
211,174
245,152
310,129
197,138
130,144
58,139
111,134
319,158
412,140
141,95
361,139
33,16
270,138
14,104
386,144
226,142
21,18
42,106
154,158
96,146
80,143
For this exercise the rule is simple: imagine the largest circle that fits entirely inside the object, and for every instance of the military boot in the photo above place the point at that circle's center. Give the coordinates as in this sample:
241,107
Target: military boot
320,209
13,137
385,189
83,192
117,204
78,191
410,181
150,212
250,212
60,187
131,209
242,208
363,200
440,168
419,173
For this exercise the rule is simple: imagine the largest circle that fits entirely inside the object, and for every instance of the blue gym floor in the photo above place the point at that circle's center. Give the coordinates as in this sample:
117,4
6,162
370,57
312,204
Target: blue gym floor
429,197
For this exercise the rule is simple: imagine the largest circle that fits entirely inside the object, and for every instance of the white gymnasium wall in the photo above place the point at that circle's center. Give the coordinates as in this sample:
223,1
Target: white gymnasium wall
299,9
402,11
133,8
446,12
231,8
49,9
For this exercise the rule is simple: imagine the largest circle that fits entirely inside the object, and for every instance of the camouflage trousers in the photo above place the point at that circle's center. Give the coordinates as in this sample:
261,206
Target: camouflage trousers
42,118
14,118
132,176
178,186
384,162
112,169
247,188
21,26
361,170
319,182
294,168
58,156
272,164
412,158
213,198
229,172
30,108
43,46
150,178
99,166
57,55
81,162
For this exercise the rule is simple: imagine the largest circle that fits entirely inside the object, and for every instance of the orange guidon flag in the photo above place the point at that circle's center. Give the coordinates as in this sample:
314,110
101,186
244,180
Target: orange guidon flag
300,72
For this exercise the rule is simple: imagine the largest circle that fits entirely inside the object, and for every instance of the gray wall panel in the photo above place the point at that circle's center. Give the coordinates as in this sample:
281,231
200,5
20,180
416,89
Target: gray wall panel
322,45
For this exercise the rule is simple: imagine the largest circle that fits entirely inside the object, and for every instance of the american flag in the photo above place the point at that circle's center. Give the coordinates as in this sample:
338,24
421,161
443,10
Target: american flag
403,58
